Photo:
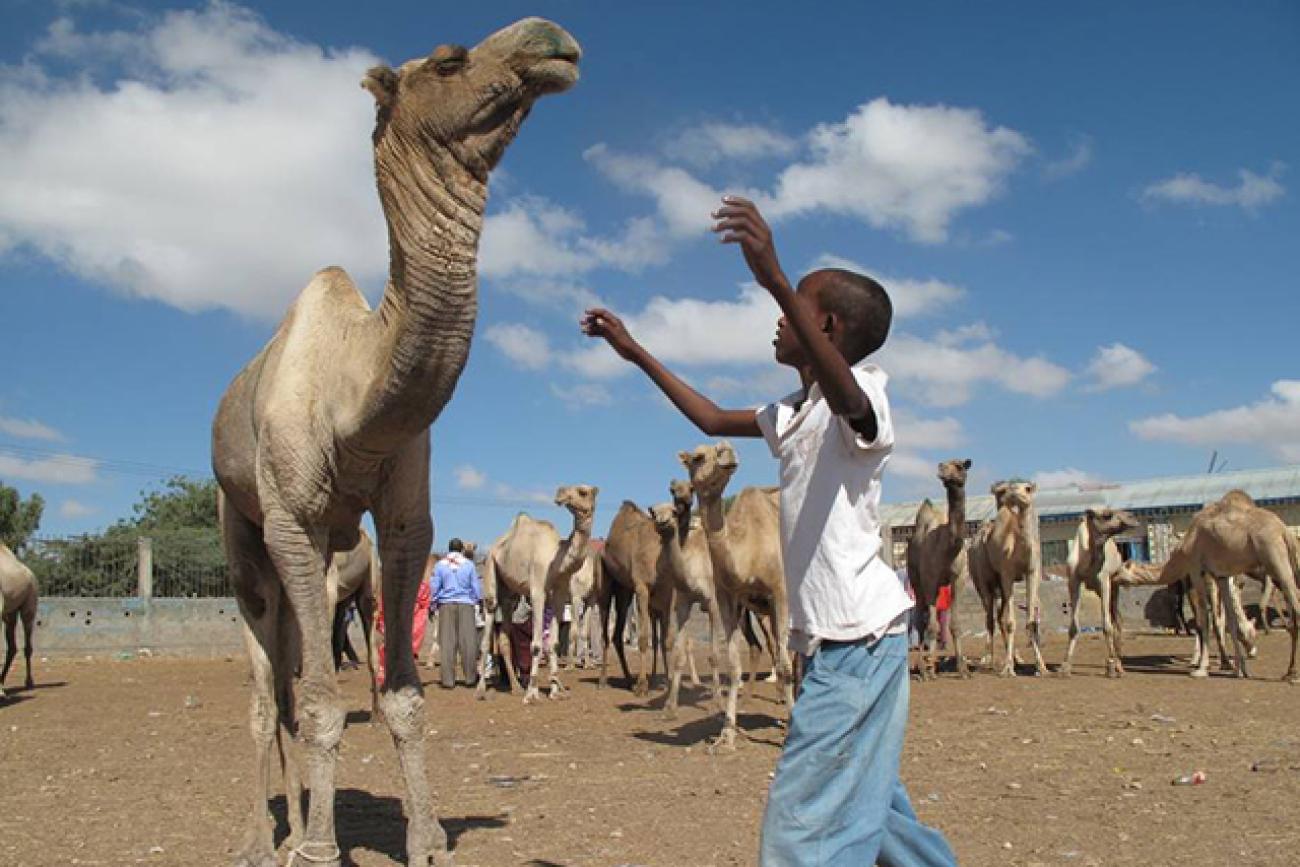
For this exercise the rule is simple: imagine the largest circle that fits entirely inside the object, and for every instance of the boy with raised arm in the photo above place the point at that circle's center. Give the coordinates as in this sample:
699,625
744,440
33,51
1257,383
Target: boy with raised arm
836,800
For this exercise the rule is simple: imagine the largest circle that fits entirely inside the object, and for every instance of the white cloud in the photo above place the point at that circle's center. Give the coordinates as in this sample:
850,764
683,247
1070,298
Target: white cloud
684,202
468,478
908,167
522,344
75,509
927,433
710,143
692,331
1251,192
1075,161
909,297
1117,366
944,371
30,429
911,466
509,492
1273,423
222,166
1069,477
582,394
56,469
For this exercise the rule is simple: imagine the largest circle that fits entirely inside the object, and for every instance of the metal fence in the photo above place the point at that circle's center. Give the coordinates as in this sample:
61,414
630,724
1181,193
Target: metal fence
179,564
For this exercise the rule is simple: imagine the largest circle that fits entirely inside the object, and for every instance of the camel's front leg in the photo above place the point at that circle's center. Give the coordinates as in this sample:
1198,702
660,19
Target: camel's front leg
405,535
715,645
1236,621
1265,597
954,631
643,635
537,598
1033,620
1205,615
1007,622
1114,665
1066,667
556,688
781,614
929,640
731,614
300,557
677,650
1244,630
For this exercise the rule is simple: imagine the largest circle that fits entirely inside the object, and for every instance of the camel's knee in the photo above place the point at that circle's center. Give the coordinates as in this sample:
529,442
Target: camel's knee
262,718
403,710
320,718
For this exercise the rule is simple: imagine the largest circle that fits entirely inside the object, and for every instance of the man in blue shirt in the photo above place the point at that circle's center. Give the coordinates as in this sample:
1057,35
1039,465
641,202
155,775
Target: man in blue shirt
456,592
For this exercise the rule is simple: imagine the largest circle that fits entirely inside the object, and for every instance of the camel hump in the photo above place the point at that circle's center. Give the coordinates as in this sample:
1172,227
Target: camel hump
1238,498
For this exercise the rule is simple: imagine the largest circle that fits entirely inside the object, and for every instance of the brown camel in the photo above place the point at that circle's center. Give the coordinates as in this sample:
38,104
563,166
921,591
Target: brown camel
744,544
332,420
532,560
936,558
1232,537
19,600
630,561
1094,563
1004,551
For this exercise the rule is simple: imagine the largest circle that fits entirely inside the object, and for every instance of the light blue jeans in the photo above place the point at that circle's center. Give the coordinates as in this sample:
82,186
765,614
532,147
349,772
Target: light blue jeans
836,800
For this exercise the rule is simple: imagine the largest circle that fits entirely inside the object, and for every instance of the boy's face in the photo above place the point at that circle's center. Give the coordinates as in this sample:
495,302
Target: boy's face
787,348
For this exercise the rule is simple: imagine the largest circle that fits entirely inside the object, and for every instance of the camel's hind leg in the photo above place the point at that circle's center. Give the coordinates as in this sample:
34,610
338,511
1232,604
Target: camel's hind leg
11,646
1114,666
1236,621
1033,620
731,613
677,647
1284,567
1066,667
1265,598
954,631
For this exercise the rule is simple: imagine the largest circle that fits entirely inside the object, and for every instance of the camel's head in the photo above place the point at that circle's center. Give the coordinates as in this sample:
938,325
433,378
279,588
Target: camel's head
1015,495
580,500
470,102
682,493
470,549
665,517
953,473
1111,522
710,466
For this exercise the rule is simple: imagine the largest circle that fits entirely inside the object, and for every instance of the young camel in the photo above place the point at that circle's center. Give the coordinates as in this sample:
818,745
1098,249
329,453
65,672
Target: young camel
331,420
18,595
1094,563
745,547
1232,537
684,562
531,560
936,558
1006,551
629,562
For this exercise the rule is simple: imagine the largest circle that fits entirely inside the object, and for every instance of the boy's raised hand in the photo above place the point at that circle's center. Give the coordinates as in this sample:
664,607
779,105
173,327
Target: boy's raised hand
739,222
599,322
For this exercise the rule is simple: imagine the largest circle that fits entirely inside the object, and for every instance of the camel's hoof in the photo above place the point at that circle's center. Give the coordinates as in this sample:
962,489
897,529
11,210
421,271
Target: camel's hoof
641,690
1250,654
724,743
258,860
669,714
558,694
1063,671
532,696
1198,673
1292,678
1007,672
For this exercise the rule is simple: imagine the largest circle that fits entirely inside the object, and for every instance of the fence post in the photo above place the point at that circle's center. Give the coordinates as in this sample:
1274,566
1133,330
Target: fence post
144,568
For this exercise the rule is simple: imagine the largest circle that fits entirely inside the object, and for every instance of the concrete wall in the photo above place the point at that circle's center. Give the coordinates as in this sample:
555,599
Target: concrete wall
165,627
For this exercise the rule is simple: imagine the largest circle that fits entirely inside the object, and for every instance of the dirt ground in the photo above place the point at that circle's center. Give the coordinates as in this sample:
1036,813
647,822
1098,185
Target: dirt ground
149,762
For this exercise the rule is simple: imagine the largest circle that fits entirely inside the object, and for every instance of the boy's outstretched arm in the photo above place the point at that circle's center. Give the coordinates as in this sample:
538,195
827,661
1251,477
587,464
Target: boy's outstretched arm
707,416
739,222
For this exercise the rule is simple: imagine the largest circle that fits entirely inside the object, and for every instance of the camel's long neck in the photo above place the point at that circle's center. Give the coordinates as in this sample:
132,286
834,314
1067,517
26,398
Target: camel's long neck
575,547
718,537
957,511
434,210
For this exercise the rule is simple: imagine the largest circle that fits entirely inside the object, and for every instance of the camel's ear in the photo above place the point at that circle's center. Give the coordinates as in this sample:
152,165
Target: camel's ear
381,81
1091,513
1032,487
685,458
447,59
998,489
966,464
594,490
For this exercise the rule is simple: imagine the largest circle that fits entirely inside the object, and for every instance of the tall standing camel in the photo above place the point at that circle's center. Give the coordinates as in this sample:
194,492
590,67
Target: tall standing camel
744,544
532,560
1231,537
936,558
684,562
629,560
1004,551
19,600
1094,563
332,419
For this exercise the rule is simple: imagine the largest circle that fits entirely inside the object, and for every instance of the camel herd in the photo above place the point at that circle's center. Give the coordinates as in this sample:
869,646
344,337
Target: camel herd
1227,538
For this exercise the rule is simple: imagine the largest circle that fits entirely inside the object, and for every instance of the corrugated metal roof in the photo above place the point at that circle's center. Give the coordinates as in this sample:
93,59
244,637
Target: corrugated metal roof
1274,485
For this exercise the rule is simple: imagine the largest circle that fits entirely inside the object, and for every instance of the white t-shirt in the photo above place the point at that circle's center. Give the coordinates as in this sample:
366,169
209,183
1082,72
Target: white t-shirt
840,588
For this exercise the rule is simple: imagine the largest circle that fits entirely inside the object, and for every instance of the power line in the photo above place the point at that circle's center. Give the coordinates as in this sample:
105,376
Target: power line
162,471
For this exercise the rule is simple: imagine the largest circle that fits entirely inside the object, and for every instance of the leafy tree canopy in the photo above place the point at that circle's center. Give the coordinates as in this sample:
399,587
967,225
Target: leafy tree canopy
19,518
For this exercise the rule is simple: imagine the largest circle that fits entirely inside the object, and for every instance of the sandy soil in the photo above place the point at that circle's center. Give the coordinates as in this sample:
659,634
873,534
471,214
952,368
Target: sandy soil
149,761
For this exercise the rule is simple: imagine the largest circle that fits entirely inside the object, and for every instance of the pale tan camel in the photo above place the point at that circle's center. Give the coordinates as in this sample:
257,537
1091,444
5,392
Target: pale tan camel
685,563
19,598
531,560
1004,551
1094,562
744,545
586,590
332,420
936,558
1232,537
629,560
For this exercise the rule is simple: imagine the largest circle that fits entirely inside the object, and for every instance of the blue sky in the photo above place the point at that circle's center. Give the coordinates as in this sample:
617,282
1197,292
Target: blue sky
1088,222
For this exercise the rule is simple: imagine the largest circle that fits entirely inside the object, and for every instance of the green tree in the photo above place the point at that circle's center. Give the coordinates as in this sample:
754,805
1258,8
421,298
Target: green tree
19,518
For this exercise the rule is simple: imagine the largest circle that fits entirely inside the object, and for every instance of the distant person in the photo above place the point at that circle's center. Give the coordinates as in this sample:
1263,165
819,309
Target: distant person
836,799
457,591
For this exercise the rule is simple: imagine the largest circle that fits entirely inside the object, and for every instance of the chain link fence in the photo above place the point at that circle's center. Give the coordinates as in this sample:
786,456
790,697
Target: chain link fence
181,564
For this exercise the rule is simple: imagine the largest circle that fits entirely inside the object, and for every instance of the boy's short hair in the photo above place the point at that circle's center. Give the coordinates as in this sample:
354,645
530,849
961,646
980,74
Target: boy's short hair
456,545
861,304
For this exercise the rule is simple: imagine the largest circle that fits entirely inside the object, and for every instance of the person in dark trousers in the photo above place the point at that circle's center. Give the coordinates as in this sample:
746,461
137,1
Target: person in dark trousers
457,591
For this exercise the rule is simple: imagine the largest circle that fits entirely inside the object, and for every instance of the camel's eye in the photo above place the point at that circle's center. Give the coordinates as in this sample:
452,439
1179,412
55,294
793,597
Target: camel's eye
450,59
